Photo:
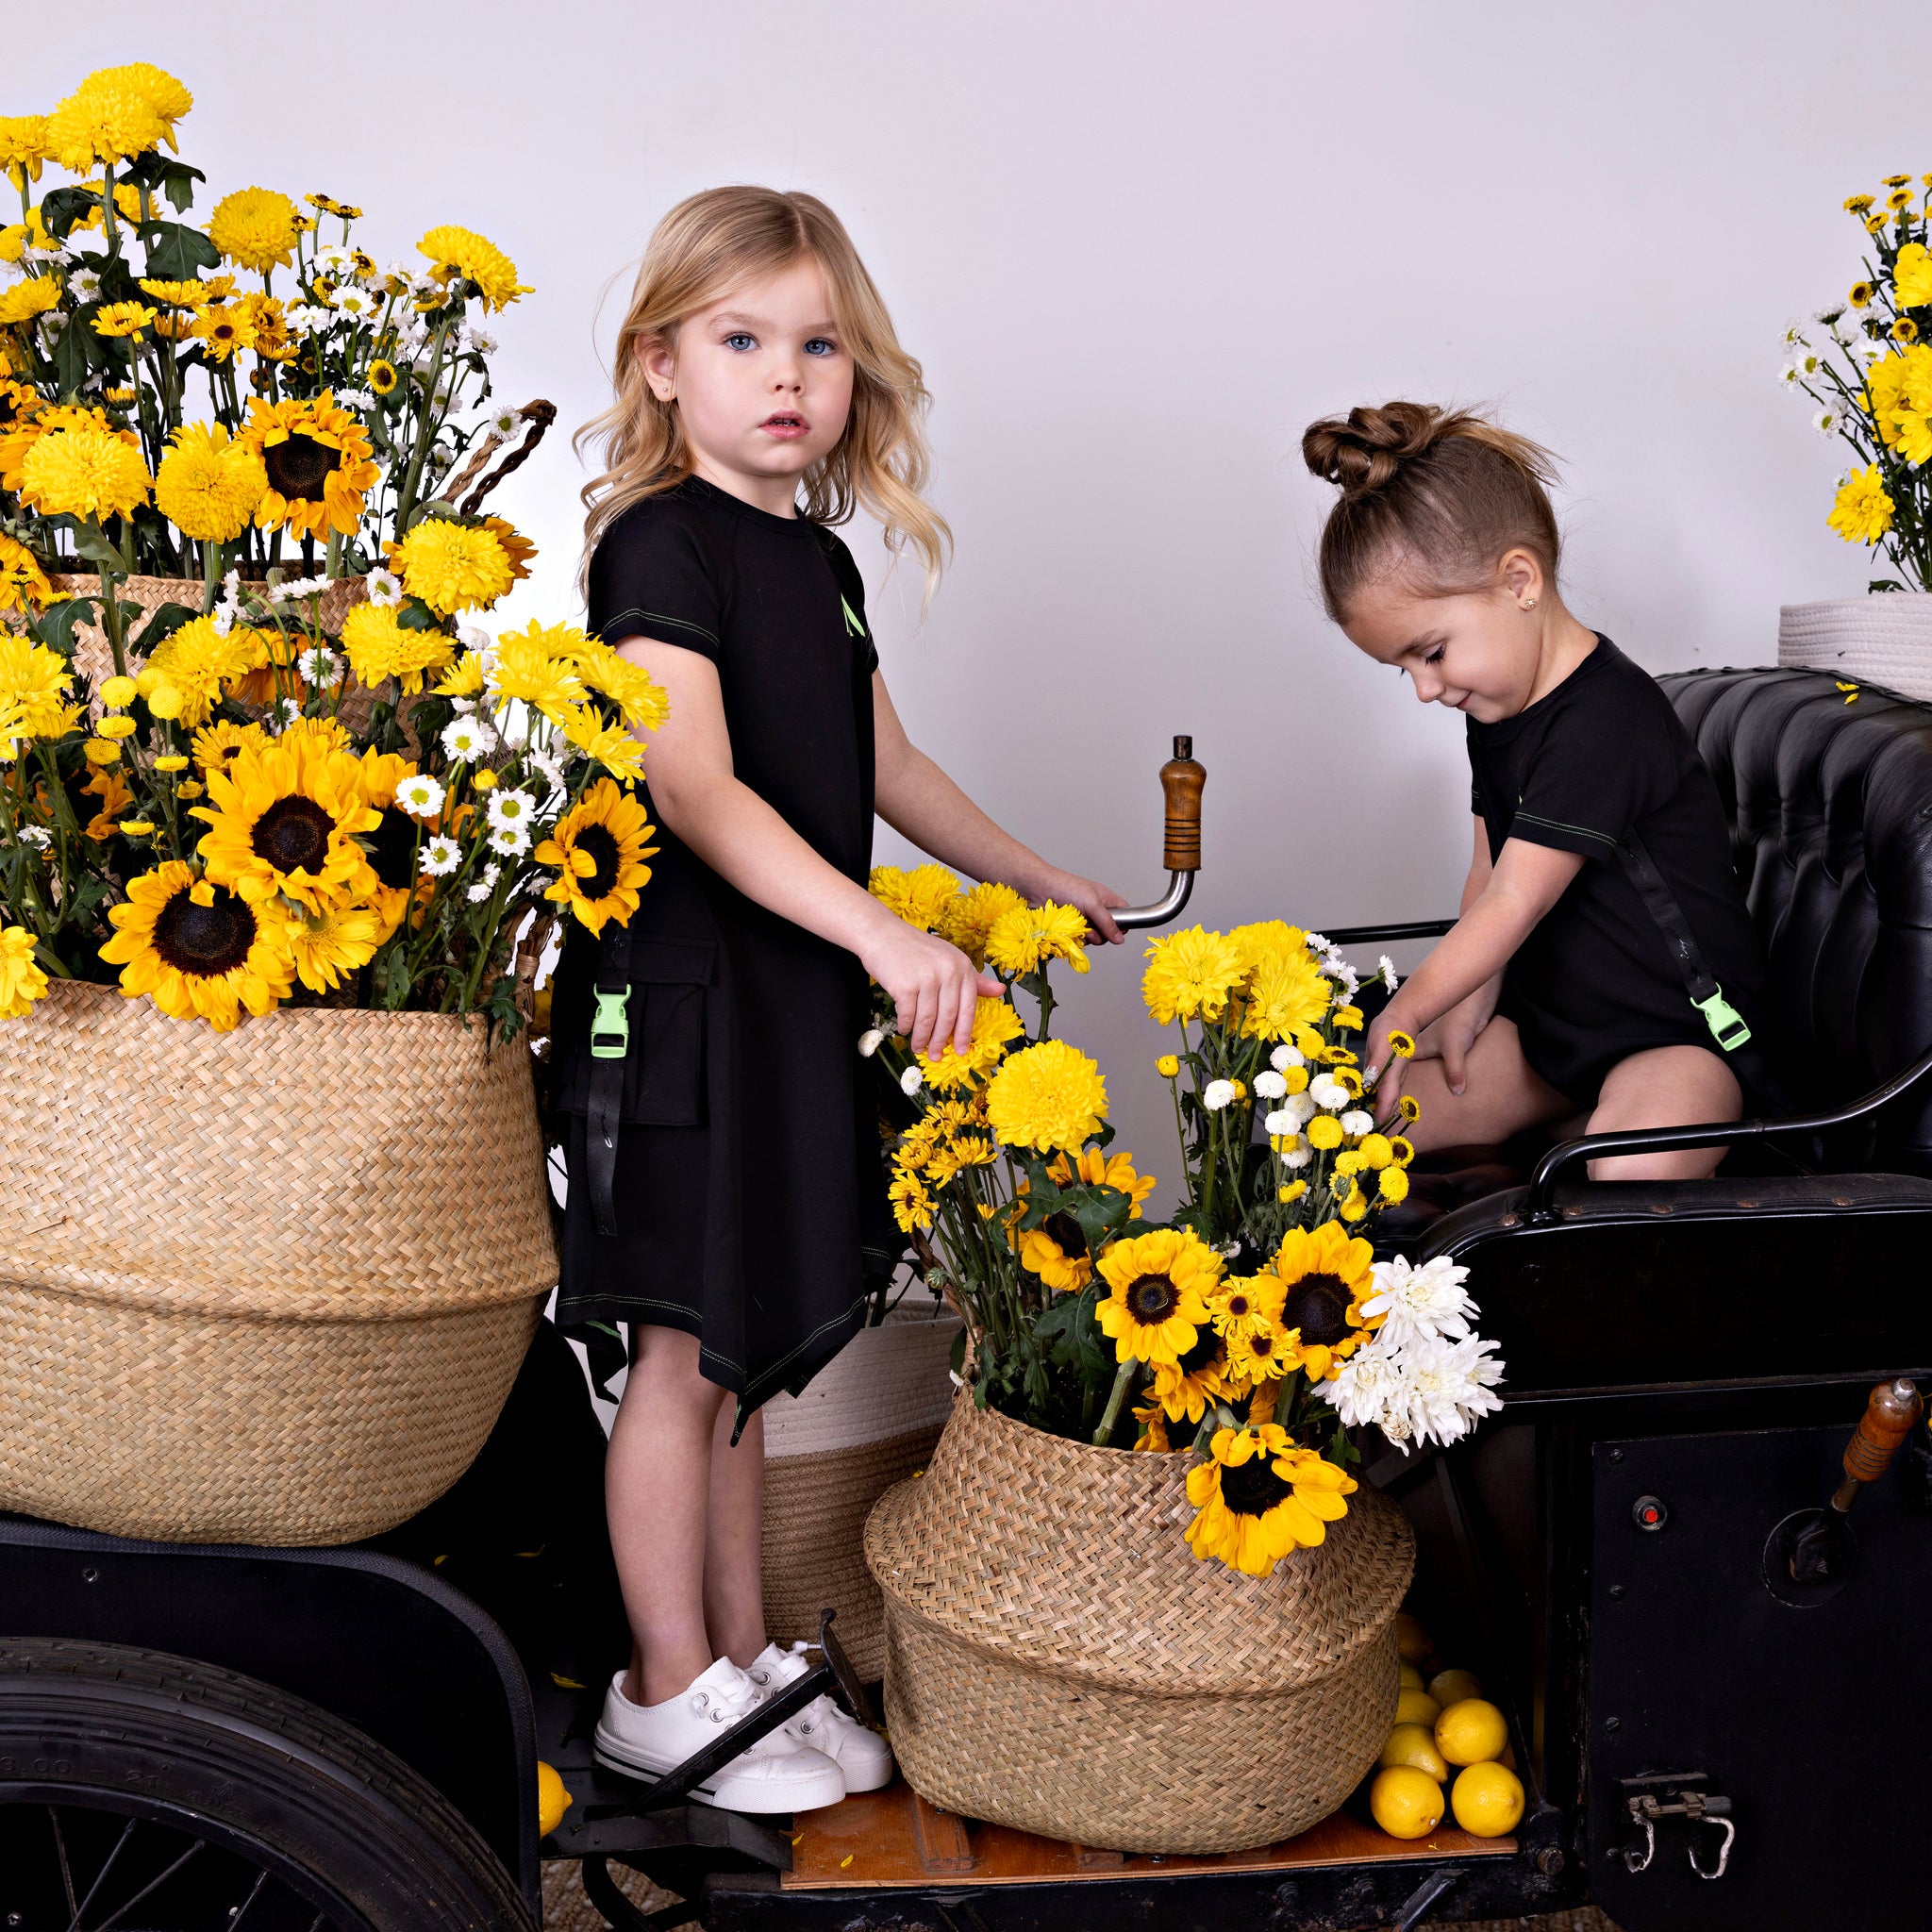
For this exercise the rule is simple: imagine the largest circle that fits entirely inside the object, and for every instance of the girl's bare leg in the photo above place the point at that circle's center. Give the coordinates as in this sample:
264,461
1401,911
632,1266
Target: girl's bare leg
1501,1095
1665,1087
657,1490
734,1586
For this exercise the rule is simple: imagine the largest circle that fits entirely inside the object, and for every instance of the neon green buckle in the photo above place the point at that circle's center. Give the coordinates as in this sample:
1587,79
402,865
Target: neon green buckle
610,1025
1726,1024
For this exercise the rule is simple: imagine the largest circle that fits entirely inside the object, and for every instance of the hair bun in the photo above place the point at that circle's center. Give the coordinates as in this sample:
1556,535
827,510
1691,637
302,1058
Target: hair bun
1365,450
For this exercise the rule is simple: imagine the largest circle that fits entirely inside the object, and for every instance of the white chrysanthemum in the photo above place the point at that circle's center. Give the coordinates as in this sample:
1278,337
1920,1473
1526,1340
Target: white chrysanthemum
468,738
36,835
870,1041
1371,1387
1354,1123
1217,1094
1386,967
512,841
1425,1303
518,808
1826,422
1325,1089
1449,1388
1304,1106
320,665
1285,1057
441,856
1270,1086
385,589
1280,1122
1297,1155
484,886
472,637
420,794
911,1080
355,398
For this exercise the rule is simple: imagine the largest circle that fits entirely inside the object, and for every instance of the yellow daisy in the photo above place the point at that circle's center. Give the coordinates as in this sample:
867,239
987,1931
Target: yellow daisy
328,945
123,318
24,585
198,950
21,980
35,689
1155,1308
1245,1304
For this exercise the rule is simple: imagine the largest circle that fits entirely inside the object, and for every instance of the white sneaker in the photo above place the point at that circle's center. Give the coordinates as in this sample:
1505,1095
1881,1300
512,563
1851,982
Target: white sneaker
863,1757
777,1773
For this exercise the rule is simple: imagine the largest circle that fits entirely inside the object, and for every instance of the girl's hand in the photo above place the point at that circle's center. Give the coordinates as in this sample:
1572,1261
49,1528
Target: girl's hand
1393,1018
1456,1032
1095,900
936,988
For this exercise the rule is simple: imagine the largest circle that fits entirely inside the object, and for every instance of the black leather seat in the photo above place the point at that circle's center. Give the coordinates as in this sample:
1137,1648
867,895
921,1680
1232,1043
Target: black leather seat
1830,808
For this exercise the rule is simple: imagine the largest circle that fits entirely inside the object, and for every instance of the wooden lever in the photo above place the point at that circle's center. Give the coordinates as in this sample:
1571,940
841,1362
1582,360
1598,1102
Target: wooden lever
1181,780
1892,1415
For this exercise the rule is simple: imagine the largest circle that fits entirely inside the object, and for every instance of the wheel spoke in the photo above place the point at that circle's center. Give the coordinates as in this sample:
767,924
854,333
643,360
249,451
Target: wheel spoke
153,1885
241,1910
120,1845
60,1846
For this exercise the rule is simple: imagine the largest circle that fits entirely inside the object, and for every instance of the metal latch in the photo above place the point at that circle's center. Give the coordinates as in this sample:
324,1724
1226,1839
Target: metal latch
1647,1801
611,1025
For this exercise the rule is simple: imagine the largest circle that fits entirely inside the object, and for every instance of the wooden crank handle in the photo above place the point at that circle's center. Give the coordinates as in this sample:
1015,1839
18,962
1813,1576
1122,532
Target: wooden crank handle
1181,780
1890,1415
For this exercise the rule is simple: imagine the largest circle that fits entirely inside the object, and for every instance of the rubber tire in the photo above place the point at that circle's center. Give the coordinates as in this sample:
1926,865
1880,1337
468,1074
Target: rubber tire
169,1732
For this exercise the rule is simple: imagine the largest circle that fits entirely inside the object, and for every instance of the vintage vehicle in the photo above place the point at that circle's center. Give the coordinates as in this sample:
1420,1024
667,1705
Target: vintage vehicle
1694,1550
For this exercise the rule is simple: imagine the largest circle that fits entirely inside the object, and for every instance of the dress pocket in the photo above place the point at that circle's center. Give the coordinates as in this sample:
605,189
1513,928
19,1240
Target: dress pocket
664,1083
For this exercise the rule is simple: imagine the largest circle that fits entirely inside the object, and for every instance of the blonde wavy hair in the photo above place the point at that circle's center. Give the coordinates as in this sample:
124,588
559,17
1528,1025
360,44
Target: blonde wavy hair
707,246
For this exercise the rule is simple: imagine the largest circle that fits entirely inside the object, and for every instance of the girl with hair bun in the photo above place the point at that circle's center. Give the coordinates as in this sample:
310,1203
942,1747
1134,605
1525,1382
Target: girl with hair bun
1605,967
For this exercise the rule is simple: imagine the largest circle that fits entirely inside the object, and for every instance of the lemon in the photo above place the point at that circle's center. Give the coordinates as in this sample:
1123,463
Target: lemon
1412,1744
1405,1802
1488,1800
1416,1707
553,1800
1471,1732
1451,1687
1412,1640
1412,1677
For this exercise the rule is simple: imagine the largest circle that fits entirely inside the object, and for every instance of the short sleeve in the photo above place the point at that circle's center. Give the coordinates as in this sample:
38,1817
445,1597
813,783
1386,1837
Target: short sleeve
649,577
1600,770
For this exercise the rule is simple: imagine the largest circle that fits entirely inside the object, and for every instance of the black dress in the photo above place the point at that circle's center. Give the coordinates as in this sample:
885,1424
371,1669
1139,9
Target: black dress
1600,757
750,1191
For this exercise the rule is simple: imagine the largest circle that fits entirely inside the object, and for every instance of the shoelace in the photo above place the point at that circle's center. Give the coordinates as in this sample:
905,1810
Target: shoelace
727,1706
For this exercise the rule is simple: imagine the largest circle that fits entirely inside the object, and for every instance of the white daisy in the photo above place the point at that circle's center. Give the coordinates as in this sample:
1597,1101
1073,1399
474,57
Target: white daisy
441,855
1317,941
1425,1302
1304,1106
468,738
421,795
354,301
1826,422
472,637
512,841
516,809
281,714
1788,375
484,886
1386,966
1285,1057
333,259
1865,352
1809,365
385,588
306,318
36,835
480,341
498,422
1217,1094
84,284
355,398
319,665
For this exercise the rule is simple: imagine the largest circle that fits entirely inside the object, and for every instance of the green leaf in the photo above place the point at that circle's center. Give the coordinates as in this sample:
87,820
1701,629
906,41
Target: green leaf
54,624
93,545
957,1358
395,978
167,619
62,207
416,615
175,252
73,354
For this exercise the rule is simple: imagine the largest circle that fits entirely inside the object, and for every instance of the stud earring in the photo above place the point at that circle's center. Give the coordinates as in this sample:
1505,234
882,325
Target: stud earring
1529,603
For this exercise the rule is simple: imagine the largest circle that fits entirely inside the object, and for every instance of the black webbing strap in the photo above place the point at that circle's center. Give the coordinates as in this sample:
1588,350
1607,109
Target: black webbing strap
609,1055
1726,1024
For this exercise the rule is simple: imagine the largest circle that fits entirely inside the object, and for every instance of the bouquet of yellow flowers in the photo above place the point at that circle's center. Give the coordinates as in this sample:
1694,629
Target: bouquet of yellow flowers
1867,367
326,787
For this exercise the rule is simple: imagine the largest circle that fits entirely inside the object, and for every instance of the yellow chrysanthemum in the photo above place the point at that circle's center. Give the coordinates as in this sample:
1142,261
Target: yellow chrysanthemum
1392,1183
920,897
318,462
996,1027
327,947
208,485
83,472
1324,1275
1285,991
1861,511
465,680
1190,975
1157,1287
168,97
27,299
254,227
970,916
379,647
123,318
537,666
21,980
201,665
618,750
452,567
456,251
103,119
1267,940
198,950
24,585
639,698
22,147
1023,940
1048,1097
1258,1497
35,684
1912,276
599,850
286,820
189,294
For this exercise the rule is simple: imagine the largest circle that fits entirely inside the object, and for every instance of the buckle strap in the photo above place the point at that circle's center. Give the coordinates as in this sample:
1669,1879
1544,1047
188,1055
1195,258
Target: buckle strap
610,1055
1727,1025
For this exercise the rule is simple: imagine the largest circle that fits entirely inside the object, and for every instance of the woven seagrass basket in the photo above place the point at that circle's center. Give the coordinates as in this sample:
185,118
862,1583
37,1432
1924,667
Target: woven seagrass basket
269,1286
869,1419
1056,1659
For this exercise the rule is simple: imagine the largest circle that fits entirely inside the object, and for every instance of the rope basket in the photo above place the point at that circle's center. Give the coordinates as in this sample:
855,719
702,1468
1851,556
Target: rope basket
869,1419
1058,1660
1885,638
269,1286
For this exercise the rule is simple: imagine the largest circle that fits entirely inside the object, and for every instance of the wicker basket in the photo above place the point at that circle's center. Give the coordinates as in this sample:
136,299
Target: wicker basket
1884,638
1058,1660
869,1419
269,1286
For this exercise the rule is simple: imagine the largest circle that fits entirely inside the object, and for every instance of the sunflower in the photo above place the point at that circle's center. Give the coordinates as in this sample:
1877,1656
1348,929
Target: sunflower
1023,938
464,253
198,950
1244,1304
327,945
1160,1433
1285,991
1096,1168
199,663
1155,1308
21,981
920,897
392,847
1057,1250
599,850
379,647
996,1027
35,684
318,462
969,918
285,820
452,567
1258,1497
254,227
83,472
206,485
1190,973
24,585
1048,1097
1326,1276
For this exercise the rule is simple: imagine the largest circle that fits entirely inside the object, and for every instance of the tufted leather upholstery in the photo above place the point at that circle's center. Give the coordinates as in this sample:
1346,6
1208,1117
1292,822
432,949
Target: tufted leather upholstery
1830,807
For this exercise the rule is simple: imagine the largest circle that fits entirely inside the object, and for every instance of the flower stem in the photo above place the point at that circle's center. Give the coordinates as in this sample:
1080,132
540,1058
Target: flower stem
1122,1381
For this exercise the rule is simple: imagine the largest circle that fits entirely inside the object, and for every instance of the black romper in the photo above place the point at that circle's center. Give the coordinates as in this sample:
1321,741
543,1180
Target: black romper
750,1193
1601,756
